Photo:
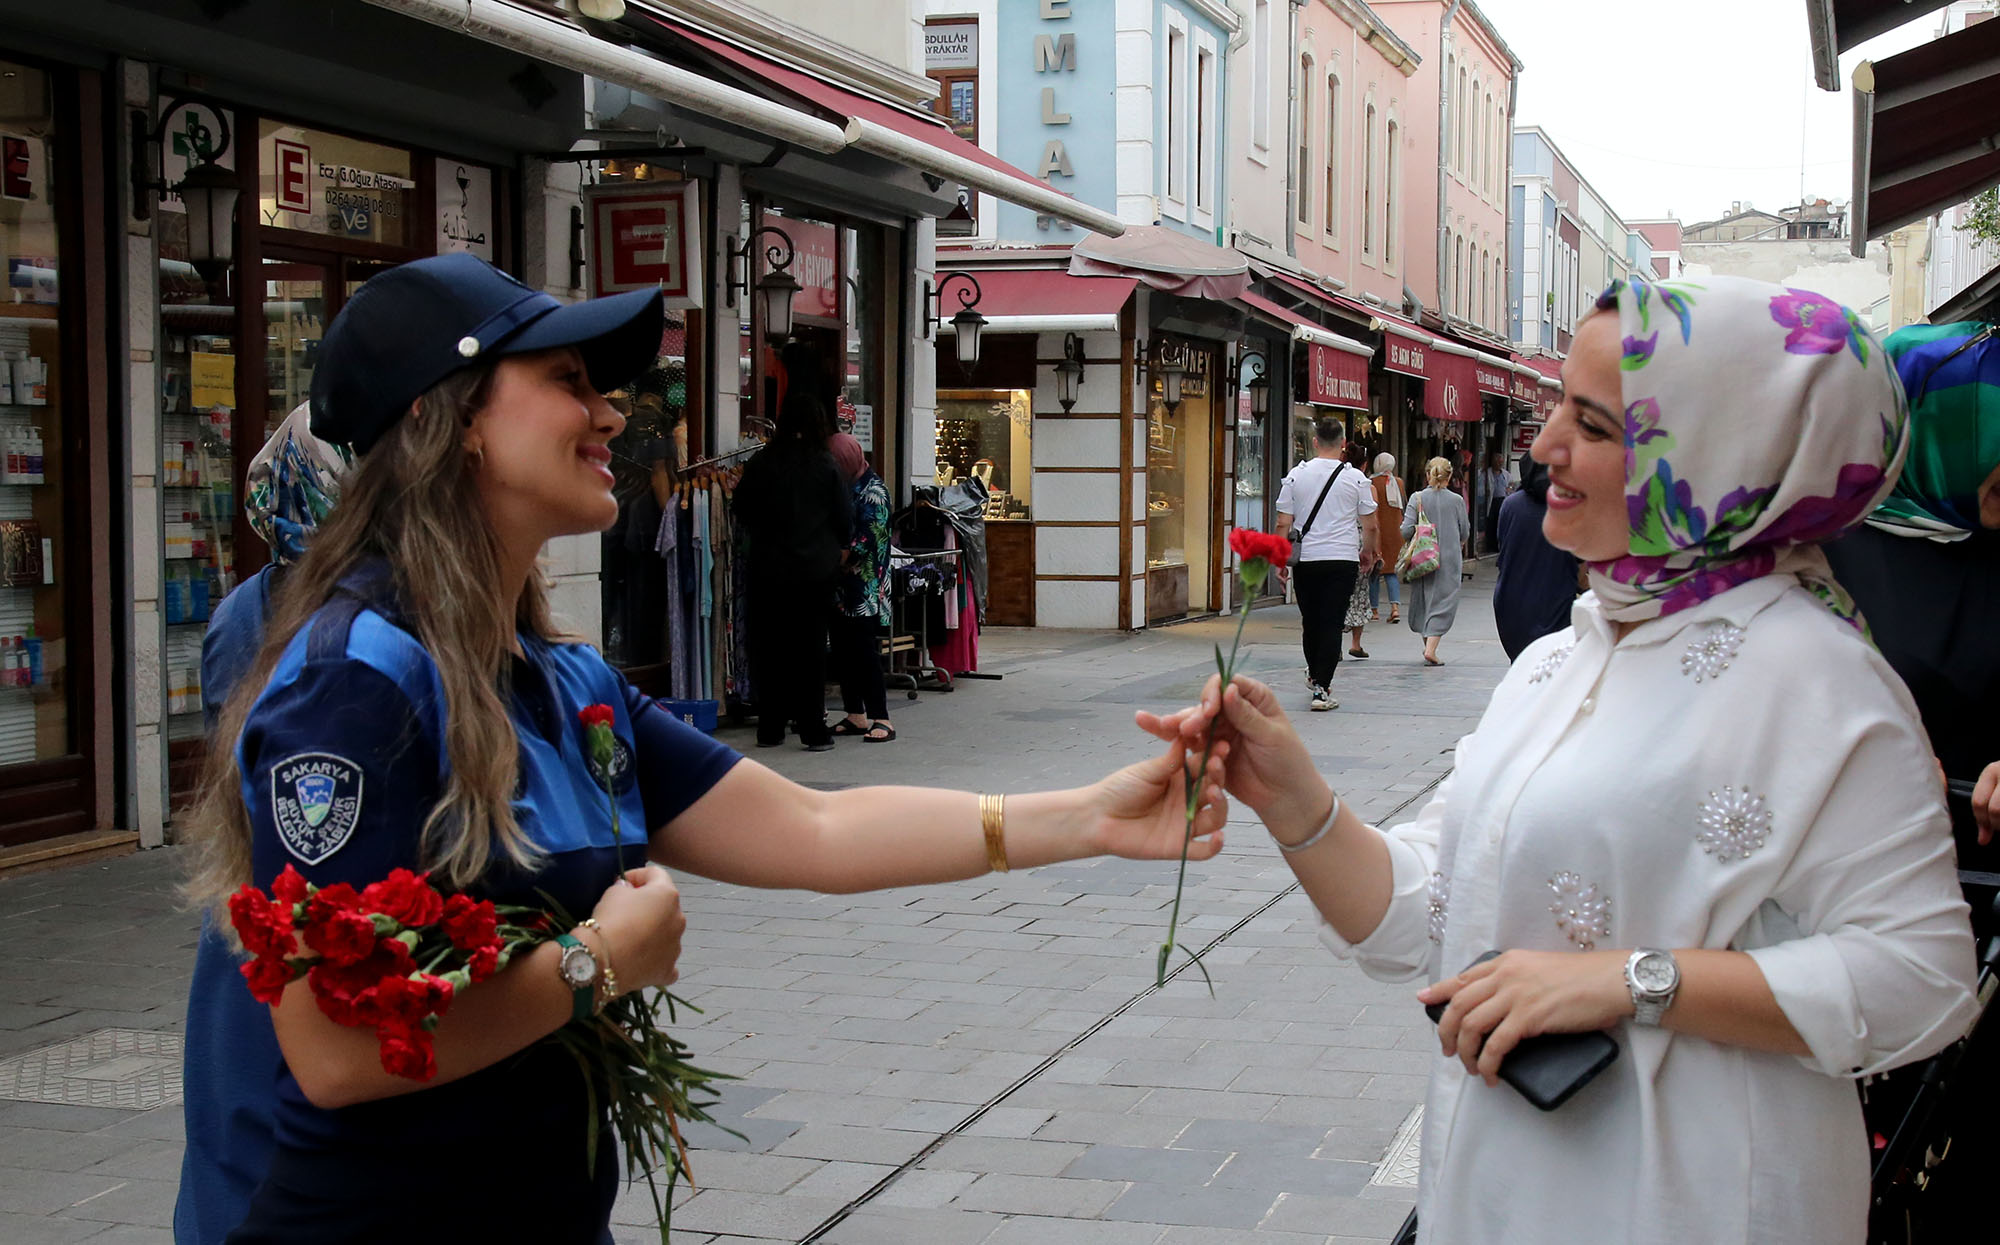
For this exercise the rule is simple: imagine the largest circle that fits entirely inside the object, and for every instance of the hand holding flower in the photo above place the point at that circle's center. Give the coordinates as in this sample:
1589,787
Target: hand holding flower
1140,812
642,922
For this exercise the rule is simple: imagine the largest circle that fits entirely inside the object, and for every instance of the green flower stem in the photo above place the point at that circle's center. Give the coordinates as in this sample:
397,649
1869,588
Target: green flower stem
1198,777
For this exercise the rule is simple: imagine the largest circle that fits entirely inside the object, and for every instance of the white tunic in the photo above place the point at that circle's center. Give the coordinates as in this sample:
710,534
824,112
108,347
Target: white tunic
1745,774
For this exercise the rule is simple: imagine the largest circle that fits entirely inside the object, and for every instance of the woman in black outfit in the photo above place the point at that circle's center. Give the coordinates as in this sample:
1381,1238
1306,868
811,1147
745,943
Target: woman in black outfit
793,508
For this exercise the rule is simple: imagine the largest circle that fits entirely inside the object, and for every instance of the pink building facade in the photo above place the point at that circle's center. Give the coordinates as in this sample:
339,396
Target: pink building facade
1460,140
1356,158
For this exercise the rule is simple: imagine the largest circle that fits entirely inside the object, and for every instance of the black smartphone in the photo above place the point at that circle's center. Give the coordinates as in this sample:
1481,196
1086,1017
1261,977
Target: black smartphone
1549,1069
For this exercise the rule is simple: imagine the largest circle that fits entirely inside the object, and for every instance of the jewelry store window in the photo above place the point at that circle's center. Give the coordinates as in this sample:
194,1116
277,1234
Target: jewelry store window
1178,469
988,434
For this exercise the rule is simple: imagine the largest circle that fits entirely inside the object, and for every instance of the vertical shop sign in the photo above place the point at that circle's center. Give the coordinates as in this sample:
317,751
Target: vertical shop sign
294,175
643,237
1054,54
465,209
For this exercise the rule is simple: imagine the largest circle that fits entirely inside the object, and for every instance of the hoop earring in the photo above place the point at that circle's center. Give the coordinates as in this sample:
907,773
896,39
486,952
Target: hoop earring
478,457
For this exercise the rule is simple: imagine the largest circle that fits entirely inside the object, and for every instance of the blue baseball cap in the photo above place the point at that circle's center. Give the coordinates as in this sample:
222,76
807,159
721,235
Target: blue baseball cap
408,328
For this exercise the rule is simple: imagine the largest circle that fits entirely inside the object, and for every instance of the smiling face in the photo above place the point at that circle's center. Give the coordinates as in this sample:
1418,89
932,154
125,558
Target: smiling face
1583,446
542,448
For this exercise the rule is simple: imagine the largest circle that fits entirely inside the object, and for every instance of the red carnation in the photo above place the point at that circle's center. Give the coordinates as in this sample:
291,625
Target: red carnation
290,887
341,937
484,963
342,991
471,924
1249,543
266,931
596,715
268,978
408,1000
404,896
407,1051
330,899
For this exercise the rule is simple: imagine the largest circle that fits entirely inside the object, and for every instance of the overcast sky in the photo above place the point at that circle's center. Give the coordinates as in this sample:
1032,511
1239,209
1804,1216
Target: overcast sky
1688,105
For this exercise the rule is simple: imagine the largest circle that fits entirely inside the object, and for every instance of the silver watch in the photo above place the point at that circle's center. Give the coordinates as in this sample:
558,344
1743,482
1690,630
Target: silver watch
1654,978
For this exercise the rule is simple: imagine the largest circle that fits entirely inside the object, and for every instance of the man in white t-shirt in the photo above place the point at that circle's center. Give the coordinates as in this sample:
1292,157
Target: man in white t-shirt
1328,508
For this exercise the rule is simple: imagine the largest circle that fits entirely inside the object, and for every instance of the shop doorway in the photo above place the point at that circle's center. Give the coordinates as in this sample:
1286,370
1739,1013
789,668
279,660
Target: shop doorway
1183,523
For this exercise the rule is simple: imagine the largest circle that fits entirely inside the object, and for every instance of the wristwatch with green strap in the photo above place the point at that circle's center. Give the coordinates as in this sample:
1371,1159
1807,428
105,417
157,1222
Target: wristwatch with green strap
581,972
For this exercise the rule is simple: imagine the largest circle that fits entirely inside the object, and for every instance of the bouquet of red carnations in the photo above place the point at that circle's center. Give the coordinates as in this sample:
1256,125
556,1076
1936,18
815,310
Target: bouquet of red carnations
392,957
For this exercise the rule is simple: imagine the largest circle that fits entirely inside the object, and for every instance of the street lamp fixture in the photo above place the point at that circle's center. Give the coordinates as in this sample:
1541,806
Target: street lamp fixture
776,288
1069,373
207,190
1170,365
967,323
1259,383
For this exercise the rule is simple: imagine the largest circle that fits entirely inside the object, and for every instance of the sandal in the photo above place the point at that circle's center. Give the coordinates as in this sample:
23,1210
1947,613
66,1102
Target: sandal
1394,616
870,737
847,727
1432,661
1357,652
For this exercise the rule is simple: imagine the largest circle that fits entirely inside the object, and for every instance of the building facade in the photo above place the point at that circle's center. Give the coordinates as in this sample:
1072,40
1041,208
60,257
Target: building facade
1568,246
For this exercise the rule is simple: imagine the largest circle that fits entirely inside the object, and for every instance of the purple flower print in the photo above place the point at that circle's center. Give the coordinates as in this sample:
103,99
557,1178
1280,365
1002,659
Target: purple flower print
1818,325
1638,352
1813,519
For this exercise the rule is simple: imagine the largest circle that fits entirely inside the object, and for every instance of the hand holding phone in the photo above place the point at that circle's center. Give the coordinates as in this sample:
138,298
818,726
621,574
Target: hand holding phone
1549,1069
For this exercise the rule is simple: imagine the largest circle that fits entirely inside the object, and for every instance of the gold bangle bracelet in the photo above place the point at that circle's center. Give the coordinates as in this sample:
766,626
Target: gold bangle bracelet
993,822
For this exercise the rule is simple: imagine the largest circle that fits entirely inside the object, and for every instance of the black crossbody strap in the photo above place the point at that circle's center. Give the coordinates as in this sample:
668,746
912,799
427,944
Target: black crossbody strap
1300,539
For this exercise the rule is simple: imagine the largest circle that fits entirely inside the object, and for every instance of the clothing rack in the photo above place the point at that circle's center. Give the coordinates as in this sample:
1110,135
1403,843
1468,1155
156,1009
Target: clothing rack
921,666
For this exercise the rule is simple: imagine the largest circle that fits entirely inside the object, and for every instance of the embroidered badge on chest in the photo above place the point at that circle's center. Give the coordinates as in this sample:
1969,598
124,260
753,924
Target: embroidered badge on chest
620,778
315,803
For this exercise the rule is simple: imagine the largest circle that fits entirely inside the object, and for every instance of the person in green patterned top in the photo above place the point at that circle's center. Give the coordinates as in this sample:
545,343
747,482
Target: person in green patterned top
862,599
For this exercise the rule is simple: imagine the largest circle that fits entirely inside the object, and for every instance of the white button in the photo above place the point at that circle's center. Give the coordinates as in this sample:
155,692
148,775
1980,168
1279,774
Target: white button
468,346
1589,705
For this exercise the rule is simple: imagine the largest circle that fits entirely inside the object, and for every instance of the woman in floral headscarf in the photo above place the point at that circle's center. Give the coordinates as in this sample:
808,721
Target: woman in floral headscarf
1701,819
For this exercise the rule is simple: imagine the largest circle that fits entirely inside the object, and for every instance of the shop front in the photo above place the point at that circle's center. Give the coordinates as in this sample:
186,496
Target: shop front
58,718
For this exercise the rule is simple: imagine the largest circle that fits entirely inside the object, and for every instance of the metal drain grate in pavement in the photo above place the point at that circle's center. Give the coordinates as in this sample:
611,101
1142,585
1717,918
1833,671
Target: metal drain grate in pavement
1398,1168
127,1069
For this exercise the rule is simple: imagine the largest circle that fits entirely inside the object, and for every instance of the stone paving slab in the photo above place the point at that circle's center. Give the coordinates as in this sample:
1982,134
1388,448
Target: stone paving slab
986,1062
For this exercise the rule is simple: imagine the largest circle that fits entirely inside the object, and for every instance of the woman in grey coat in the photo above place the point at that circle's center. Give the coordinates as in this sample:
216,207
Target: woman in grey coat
1433,600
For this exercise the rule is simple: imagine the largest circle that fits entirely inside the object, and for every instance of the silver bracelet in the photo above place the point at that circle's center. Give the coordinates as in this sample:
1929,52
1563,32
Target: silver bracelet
1332,816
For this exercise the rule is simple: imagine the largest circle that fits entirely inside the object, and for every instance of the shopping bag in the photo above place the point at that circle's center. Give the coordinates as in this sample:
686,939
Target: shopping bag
1420,552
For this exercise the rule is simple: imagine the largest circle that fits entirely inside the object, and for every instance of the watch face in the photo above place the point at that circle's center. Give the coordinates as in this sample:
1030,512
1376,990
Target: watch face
578,968
1655,974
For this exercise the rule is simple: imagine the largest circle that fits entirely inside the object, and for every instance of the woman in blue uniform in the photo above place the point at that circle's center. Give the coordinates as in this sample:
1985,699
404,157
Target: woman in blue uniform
415,705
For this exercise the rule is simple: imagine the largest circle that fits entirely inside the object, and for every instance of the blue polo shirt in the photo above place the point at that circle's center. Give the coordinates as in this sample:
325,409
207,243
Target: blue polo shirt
343,758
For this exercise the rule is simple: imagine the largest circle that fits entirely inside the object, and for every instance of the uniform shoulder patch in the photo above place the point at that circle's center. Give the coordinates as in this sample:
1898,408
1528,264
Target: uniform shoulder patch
315,803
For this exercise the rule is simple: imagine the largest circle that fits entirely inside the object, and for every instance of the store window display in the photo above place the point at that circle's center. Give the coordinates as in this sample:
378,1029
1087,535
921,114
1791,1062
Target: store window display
1178,468
34,410
988,434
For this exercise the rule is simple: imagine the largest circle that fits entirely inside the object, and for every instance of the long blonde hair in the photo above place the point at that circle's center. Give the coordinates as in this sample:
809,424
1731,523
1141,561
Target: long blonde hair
413,503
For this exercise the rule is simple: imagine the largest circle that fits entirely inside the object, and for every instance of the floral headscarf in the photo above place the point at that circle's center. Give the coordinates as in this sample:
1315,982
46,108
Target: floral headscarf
1952,374
291,485
1760,421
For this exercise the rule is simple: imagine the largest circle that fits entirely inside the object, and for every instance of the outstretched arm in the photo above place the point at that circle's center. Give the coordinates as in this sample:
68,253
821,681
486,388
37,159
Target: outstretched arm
757,828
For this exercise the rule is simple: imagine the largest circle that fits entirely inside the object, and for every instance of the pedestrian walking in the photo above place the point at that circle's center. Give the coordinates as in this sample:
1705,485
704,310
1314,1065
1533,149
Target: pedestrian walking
1493,489
797,515
1433,603
230,1056
1356,620
1534,583
861,605
1699,819
1389,498
1339,530
413,689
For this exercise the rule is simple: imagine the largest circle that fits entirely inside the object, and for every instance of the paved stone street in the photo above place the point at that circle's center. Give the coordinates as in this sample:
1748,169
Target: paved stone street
983,1062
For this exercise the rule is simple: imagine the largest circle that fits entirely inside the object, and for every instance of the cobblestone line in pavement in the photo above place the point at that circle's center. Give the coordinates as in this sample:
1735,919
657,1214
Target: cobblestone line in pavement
869,1029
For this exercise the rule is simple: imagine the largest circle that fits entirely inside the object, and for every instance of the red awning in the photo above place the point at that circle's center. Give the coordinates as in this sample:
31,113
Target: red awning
1049,300
845,106
1451,385
1492,375
1838,26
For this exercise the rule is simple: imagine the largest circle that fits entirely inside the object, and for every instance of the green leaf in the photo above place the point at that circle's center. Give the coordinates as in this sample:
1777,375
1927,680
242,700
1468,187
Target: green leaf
1221,667
1160,969
1203,967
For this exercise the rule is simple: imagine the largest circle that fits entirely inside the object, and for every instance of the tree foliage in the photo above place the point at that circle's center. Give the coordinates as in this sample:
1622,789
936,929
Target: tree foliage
1982,219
